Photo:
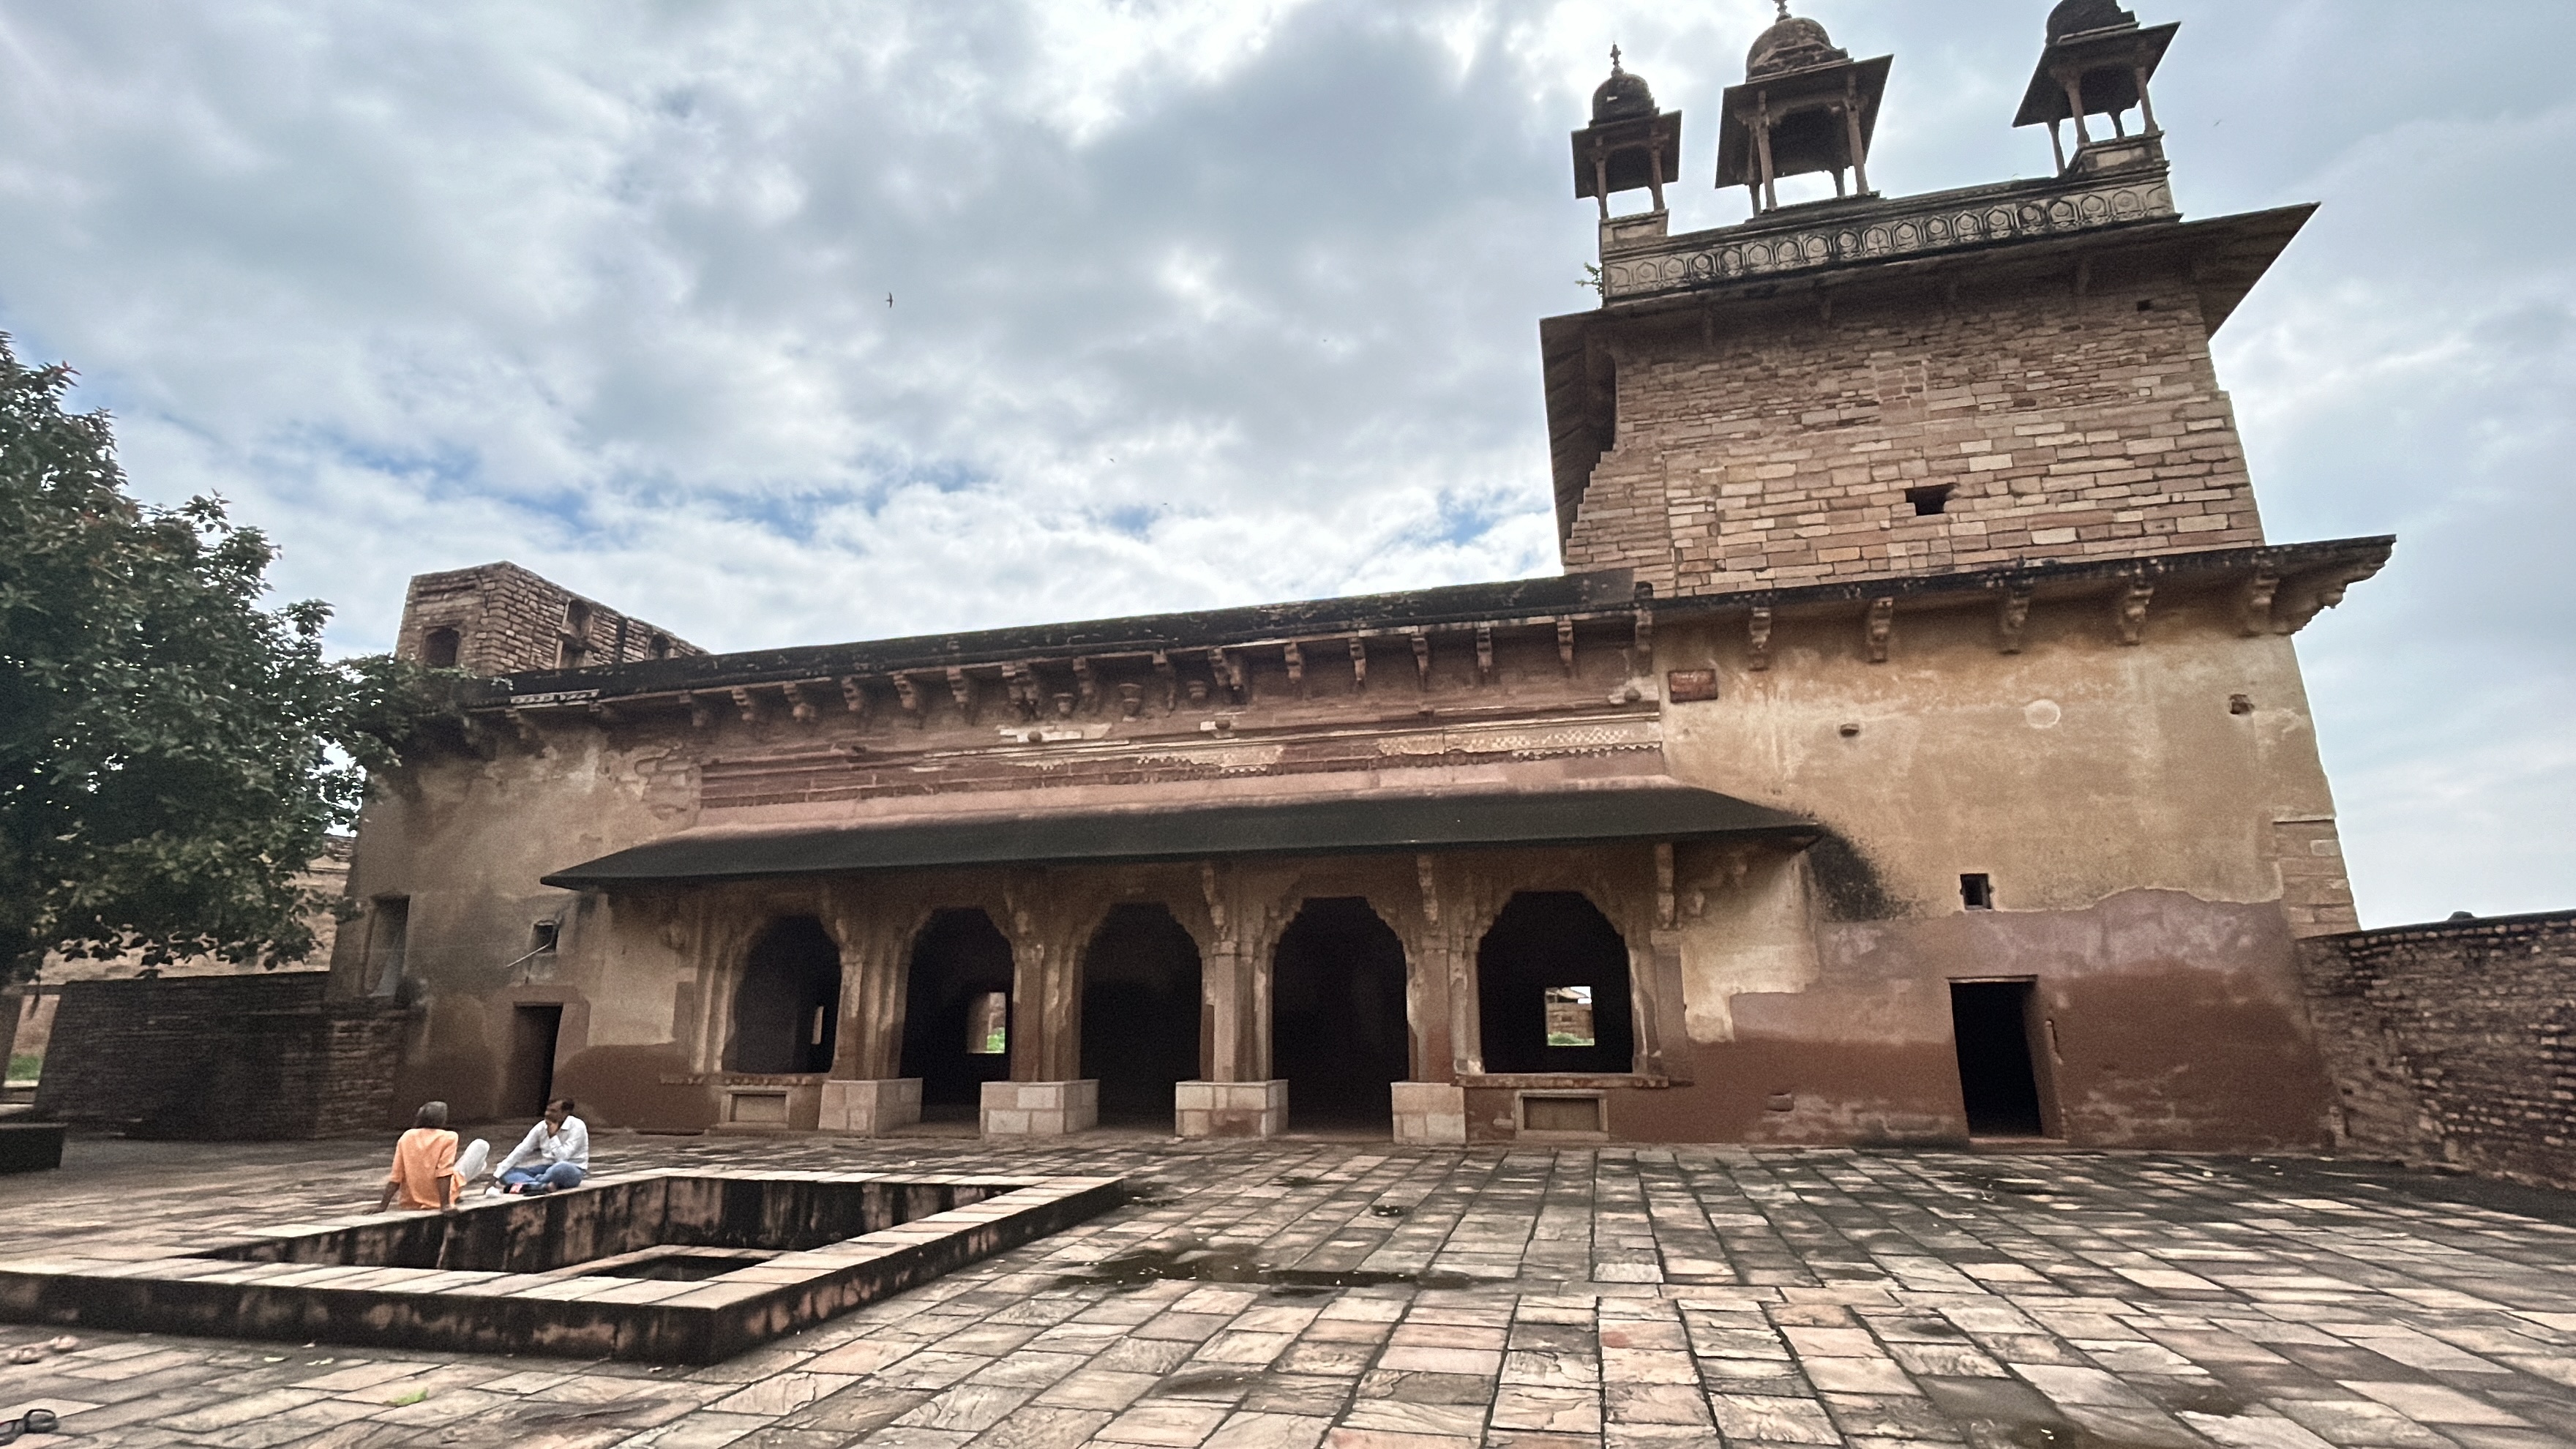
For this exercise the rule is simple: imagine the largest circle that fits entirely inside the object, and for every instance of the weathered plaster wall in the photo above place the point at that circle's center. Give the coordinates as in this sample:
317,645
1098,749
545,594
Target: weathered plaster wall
2452,1042
1768,445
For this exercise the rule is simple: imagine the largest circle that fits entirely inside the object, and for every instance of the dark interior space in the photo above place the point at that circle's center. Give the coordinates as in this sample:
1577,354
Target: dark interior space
1548,942
959,961
533,1031
788,1006
1992,1022
1337,1026
1140,1012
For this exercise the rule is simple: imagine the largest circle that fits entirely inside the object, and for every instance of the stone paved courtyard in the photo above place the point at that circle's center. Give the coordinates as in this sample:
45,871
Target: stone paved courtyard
1530,1298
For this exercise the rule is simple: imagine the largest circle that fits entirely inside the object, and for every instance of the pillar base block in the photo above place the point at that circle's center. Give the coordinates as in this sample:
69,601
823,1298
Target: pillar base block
1230,1109
1430,1113
871,1108
1040,1109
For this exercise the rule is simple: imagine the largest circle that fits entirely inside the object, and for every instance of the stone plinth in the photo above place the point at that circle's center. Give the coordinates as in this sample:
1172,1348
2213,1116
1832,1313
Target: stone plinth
1230,1109
30,1146
870,1109
1040,1109
1433,1113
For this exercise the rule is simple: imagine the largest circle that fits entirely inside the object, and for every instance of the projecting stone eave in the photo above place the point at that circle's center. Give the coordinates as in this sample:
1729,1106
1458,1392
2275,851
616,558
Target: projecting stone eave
2224,257
2277,590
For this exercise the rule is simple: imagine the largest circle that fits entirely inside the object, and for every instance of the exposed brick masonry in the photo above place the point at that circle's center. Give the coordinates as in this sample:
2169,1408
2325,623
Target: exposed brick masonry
508,621
232,1058
2451,1042
1778,448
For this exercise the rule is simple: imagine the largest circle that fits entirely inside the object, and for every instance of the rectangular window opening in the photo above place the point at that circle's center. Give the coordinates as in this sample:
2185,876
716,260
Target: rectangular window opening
1930,502
1977,892
988,1025
544,936
388,937
1569,1017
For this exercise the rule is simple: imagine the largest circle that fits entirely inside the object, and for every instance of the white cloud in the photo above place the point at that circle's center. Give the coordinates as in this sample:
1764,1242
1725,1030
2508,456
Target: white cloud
1200,302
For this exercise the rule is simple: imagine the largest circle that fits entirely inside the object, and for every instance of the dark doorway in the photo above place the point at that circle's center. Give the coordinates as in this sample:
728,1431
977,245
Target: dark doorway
1552,986
956,1035
1140,1013
533,1031
787,1009
1992,1020
1338,1033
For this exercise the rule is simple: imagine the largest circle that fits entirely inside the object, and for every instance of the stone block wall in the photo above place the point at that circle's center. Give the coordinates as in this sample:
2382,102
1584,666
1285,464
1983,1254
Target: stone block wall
1778,448
2452,1043
221,1058
509,621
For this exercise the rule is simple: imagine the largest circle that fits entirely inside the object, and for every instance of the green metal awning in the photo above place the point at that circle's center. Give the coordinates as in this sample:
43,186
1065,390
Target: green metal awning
1347,825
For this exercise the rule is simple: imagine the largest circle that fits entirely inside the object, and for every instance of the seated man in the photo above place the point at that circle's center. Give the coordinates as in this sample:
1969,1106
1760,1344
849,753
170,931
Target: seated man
554,1154
424,1171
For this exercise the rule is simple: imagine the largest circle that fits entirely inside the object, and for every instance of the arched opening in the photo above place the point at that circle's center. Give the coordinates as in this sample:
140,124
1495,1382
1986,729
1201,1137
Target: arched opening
1552,988
787,1009
439,648
1338,1032
1140,1013
957,1012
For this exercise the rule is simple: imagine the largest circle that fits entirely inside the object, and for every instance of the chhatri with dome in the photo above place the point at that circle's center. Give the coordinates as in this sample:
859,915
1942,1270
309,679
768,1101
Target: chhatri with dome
1913,749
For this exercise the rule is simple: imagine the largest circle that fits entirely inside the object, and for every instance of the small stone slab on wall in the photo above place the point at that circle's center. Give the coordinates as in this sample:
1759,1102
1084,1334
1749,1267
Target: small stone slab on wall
2452,1042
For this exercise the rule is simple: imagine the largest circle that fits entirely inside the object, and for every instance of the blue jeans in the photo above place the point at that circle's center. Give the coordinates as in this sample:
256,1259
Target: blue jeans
561,1175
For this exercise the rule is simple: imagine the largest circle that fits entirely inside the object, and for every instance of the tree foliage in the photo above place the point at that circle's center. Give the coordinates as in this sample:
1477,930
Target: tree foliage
172,755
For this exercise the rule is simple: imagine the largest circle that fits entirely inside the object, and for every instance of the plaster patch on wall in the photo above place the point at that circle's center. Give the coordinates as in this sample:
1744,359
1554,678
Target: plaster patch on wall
1752,935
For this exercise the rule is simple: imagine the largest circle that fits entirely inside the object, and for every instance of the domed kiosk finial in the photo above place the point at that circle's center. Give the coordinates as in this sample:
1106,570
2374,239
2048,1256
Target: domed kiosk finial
1805,106
2097,63
1629,143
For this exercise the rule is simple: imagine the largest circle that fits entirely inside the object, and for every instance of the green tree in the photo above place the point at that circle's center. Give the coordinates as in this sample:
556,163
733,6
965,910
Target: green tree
171,754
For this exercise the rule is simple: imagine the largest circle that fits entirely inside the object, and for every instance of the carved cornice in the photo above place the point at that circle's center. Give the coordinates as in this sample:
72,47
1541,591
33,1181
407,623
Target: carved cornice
1882,231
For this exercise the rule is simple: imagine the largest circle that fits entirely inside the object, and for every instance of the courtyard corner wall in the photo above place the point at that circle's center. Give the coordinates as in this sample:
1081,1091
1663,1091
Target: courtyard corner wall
221,1058
2451,1043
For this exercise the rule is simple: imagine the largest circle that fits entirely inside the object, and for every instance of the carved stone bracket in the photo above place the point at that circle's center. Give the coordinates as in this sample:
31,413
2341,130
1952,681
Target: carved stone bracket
1427,875
1086,682
2129,610
527,728
1645,637
747,704
2012,620
1422,658
1758,633
1484,653
854,695
907,692
1296,660
1565,645
800,704
1170,674
609,716
1881,628
1359,666
1230,674
961,687
2305,598
2254,605
1212,890
1131,701
1666,915
702,712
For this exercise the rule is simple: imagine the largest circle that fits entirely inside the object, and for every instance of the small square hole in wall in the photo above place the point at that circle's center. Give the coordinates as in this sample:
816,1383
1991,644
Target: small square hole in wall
1977,892
1929,502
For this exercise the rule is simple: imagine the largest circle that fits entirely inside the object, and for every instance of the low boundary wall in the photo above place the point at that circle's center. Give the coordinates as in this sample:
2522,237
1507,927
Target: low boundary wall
2454,1043
221,1058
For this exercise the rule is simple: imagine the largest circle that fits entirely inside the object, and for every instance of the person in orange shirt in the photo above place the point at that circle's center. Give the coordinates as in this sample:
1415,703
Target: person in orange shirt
424,1171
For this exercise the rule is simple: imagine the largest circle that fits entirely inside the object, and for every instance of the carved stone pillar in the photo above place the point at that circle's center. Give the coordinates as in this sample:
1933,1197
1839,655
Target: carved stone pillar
1432,1108
1237,1098
864,1096
1044,1097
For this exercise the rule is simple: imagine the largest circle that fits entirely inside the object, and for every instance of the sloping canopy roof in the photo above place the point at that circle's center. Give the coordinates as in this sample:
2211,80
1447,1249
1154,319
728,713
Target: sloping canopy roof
1376,823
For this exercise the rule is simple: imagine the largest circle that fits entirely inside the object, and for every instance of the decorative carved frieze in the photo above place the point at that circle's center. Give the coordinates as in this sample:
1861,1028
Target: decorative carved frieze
1758,633
1894,229
2129,610
2012,621
1881,629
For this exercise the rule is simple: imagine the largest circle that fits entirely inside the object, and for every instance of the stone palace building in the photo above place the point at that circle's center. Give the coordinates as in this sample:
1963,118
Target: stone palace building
1913,749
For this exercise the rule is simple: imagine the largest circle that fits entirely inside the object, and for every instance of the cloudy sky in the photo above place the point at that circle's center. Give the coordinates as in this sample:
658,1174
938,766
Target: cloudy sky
1213,301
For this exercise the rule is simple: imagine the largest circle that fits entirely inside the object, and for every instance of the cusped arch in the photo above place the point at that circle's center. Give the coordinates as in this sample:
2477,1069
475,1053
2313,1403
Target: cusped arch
1552,988
956,1036
1141,1009
786,1000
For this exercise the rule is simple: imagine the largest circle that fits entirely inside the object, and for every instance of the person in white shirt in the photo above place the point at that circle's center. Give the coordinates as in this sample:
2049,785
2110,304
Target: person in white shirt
554,1154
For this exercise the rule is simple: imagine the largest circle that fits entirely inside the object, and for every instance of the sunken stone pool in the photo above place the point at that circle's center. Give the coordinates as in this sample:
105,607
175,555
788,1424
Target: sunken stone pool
669,1267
